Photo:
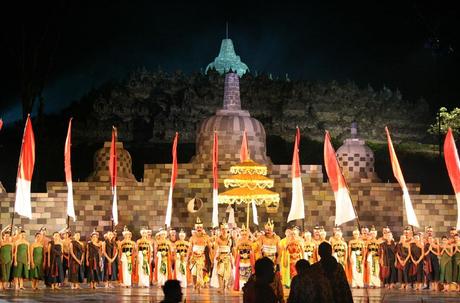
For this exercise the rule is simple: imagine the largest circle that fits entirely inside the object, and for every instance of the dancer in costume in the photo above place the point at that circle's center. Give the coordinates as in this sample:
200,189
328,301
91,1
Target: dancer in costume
283,258
456,261
293,252
372,264
144,253
54,262
244,259
21,260
66,240
269,244
339,248
163,259
181,250
223,263
417,255
356,248
110,259
364,233
431,262
310,249
200,246
316,234
127,263
93,260
36,254
76,262
446,253
402,261
388,260
6,256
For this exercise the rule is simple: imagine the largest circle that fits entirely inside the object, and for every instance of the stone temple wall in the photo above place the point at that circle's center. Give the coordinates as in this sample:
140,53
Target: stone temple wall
144,203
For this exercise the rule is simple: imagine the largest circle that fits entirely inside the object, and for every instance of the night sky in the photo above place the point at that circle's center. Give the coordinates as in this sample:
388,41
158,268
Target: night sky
85,43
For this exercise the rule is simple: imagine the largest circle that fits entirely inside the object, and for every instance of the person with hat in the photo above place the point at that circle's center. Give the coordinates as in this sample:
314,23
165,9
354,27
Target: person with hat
200,250
93,260
355,256
127,262
269,243
76,262
144,252
244,259
163,258
223,260
110,259
372,260
181,251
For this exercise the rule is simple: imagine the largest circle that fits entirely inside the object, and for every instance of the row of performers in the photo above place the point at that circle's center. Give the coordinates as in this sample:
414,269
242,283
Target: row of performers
225,258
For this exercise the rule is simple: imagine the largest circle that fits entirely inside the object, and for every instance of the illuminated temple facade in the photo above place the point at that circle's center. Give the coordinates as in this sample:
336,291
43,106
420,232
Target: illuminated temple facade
143,203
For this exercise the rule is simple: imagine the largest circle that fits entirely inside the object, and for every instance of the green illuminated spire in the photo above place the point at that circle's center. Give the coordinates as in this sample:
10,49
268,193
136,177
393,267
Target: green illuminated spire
228,60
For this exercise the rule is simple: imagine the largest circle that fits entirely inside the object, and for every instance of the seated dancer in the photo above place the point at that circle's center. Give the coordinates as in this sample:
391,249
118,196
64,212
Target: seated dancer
223,262
110,259
36,261
431,262
356,255
93,260
76,262
388,259
66,240
144,253
244,259
446,253
417,255
21,260
294,252
372,260
403,261
200,246
127,263
163,259
54,262
6,257
310,249
339,248
181,250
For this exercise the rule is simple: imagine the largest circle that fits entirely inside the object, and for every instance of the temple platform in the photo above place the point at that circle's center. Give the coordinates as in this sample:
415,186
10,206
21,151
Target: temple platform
155,294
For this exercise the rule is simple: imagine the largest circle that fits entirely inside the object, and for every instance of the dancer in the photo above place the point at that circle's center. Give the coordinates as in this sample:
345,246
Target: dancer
339,248
456,261
244,259
76,262
402,261
372,258
110,259
93,260
6,256
21,259
36,255
293,252
432,263
356,248
180,266
269,244
127,263
388,259
446,253
55,270
200,246
66,240
223,260
310,248
417,255
144,253
163,259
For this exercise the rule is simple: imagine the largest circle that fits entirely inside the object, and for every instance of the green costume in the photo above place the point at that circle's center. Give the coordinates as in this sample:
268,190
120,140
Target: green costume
5,261
37,271
456,263
446,268
21,270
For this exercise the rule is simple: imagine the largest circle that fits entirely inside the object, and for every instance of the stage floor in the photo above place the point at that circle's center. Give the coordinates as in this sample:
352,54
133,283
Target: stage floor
207,295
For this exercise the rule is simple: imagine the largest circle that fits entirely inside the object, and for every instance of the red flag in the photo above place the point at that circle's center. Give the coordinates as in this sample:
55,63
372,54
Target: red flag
215,185
297,210
113,174
410,213
23,205
244,152
344,210
453,168
68,172
173,181
1,124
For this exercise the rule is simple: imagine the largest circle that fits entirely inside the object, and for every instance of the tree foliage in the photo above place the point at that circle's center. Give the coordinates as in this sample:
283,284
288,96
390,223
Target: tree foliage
444,120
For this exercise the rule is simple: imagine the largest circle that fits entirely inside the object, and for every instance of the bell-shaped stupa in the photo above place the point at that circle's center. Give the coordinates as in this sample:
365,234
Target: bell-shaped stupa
228,60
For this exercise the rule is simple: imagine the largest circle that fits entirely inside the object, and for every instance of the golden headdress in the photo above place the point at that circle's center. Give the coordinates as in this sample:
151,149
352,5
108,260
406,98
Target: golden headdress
224,225
95,233
269,224
126,231
198,222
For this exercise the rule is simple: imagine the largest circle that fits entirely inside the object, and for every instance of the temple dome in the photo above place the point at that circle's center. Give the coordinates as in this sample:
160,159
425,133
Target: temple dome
227,60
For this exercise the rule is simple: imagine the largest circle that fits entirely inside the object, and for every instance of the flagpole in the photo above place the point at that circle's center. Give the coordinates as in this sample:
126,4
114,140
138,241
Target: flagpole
68,220
247,216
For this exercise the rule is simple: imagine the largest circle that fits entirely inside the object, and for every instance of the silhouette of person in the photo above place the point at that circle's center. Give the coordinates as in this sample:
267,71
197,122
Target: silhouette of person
172,291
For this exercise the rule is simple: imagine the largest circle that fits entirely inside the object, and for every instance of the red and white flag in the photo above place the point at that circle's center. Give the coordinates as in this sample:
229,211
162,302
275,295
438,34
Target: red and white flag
244,151
453,168
1,124
22,204
215,185
68,172
344,210
173,182
410,213
113,175
297,204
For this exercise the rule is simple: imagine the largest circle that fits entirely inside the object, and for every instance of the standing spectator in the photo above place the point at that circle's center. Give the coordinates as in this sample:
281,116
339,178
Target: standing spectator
172,291
259,286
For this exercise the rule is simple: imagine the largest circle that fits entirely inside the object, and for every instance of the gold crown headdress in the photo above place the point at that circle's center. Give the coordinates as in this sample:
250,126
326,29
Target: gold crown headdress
198,222
243,227
95,233
269,224
224,225
126,231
